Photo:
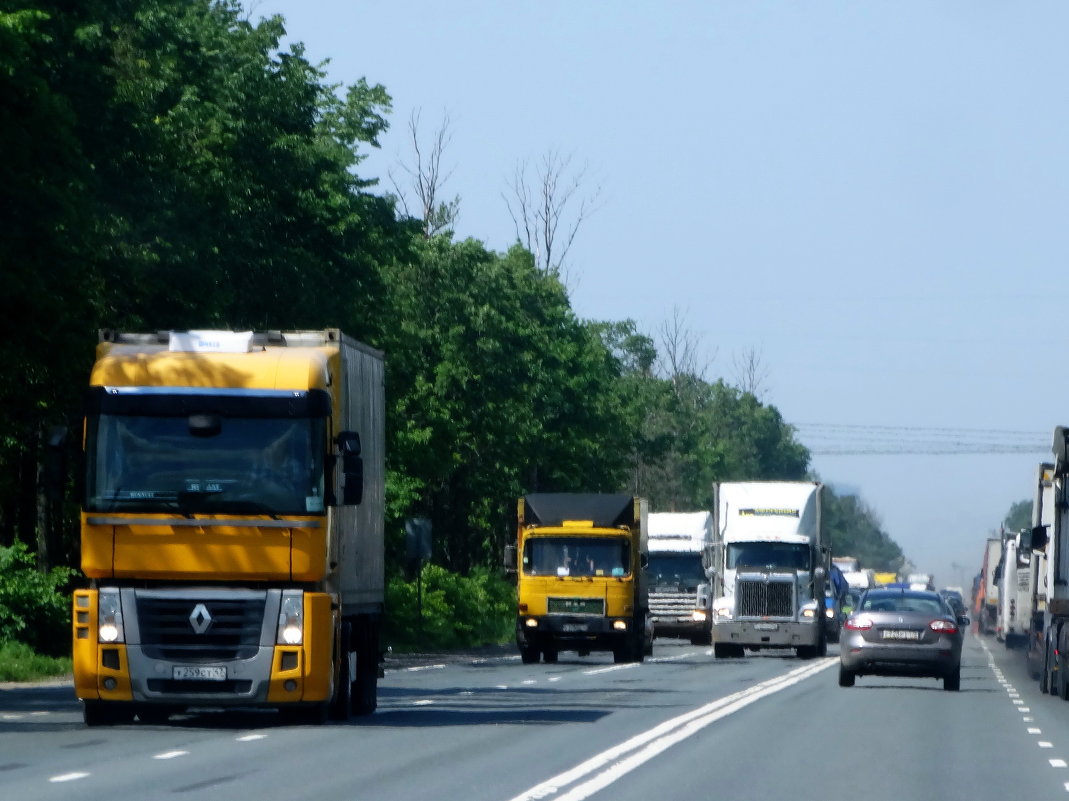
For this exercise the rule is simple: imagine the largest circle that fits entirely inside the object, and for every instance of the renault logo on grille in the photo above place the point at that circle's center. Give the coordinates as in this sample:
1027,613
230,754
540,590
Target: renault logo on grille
200,619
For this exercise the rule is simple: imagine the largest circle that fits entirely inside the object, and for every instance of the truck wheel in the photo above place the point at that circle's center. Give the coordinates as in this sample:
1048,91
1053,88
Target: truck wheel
528,655
549,656
365,687
822,646
846,677
341,703
724,650
106,713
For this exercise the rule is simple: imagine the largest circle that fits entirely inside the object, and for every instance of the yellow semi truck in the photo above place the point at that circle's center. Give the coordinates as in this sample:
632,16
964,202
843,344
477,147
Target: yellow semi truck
581,563
232,525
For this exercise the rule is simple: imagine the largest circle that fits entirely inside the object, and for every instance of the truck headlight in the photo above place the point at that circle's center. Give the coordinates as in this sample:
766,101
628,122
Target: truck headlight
829,613
722,610
109,616
698,615
809,612
620,625
291,618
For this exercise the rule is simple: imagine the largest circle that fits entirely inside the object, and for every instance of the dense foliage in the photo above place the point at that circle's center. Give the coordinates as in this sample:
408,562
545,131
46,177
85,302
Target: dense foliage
34,608
168,165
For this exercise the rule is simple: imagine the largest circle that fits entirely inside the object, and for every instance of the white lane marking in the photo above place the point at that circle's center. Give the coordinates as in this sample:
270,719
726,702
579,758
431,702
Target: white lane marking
1028,720
672,658
1034,730
40,714
67,777
530,681
493,659
1057,763
425,667
1018,701
554,678
1067,787
171,754
502,686
12,716
1024,709
422,702
249,738
610,669
610,765
466,692
1045,744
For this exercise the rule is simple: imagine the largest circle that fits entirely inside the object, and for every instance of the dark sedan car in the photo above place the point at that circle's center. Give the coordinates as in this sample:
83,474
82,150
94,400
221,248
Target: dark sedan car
902,632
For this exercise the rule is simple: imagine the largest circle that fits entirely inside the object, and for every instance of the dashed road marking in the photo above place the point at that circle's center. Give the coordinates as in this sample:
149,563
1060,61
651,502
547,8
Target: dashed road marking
68,777
249,738
171,754
1045,744
423,702
1057,763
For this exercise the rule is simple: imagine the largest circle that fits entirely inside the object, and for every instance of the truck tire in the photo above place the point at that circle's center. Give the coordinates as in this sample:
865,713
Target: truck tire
341,702
106,713
528,655
726,650
365,687
549,656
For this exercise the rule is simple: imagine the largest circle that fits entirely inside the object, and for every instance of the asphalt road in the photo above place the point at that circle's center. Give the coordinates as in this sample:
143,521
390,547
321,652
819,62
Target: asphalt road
487,728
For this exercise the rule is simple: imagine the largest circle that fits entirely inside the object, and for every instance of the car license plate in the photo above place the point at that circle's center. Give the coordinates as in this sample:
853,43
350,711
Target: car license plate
574,627
199,672
900,634
766,626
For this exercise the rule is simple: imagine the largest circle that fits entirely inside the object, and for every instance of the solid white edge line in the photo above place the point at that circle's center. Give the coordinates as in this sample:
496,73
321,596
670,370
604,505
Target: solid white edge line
67,777
608,758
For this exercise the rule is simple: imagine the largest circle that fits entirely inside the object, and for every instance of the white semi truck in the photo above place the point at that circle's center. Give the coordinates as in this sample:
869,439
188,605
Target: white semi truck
676,543
1014,576
769,567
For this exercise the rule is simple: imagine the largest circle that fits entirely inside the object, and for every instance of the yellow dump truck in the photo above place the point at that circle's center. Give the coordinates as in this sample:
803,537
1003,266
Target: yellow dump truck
581,562
232,525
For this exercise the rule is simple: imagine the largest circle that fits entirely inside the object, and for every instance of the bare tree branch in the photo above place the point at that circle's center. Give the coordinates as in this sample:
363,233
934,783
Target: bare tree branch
679,350
548,211
426,179
751,374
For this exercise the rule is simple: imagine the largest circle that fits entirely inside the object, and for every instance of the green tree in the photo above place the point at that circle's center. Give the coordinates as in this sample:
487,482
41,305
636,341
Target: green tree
1019,516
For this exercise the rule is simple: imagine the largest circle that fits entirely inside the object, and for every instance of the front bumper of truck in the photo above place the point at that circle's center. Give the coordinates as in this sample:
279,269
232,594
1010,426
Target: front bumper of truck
766,633
574,632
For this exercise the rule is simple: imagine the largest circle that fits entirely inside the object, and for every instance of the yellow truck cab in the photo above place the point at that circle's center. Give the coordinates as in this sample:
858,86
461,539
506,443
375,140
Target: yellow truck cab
232,525
580,561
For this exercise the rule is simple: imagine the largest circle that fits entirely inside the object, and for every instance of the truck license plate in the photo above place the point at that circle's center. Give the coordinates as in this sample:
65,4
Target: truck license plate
574,627
199,672
899,634
765,626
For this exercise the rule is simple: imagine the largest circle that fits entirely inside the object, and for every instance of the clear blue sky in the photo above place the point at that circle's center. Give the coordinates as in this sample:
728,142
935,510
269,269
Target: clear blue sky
872,196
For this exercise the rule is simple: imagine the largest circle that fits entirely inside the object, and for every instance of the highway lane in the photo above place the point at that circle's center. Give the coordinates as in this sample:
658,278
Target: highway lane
679,725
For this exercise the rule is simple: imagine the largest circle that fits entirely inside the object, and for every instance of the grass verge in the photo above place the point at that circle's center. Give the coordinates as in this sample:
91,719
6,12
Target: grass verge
19,662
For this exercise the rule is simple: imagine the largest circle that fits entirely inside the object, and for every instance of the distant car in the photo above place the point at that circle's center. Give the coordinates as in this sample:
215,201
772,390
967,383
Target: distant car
902,632
954,599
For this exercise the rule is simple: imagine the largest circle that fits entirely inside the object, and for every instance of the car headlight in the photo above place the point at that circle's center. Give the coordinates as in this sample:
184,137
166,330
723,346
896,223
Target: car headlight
829,613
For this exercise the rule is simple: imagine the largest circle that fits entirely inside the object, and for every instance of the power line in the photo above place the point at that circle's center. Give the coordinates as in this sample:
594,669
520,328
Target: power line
842,439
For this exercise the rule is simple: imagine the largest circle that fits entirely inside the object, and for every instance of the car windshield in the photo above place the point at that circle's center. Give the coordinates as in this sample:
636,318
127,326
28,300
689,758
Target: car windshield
160,464
902,603
576,556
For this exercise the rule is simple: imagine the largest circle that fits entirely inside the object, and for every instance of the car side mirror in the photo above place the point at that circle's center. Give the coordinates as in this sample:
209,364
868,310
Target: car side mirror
963,620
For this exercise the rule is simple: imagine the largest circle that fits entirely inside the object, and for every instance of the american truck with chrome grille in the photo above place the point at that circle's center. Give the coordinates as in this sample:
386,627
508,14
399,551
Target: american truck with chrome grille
770,567
580,561
232,525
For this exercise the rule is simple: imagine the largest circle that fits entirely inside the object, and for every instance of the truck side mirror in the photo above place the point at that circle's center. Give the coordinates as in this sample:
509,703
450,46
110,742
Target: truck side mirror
352,466
510,559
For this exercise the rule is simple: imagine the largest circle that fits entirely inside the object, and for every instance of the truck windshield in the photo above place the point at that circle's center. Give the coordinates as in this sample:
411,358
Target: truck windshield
782,555
244,466
576,556
677,568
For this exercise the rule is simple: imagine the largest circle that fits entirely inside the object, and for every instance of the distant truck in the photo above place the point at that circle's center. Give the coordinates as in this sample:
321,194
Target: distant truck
1055,676
232,525
581,564
920,581
1042,515
847,564
987,599
770,566
676,543
883,578
1014,576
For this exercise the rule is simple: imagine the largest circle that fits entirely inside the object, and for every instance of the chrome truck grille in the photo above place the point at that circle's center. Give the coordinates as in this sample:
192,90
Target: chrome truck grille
672,605
760,598
200,628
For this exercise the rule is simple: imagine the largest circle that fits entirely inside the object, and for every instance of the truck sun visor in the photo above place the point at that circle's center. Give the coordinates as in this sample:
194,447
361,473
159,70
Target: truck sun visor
142,401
